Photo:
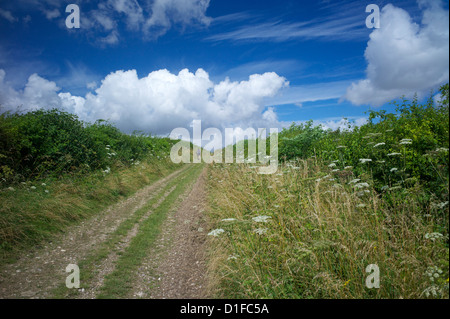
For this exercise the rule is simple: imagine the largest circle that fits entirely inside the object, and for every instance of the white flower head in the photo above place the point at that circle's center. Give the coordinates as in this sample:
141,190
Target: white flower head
379,144
394,154
365,160
216,232
261,219
433,236
361,185
260,231
229,219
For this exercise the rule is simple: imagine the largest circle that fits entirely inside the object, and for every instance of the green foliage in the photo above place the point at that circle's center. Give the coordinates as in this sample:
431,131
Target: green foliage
411,145
46,143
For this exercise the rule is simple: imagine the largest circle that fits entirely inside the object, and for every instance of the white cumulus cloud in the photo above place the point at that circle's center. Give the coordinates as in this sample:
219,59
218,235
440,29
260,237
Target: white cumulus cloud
158,102
404,57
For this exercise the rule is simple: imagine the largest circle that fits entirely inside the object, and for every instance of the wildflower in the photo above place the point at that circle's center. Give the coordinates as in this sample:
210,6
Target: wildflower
33,187
107,170
260,231
362,185
216,232
442,149
11,189
440,205
335,170
46,191
381,162
433,272
365,160
233,257
332,165
406,141
432,290
347,282
261,219
341,146
354,181
379,144
362,193
395,188
433,236
229,219
393,169
394,154
361,205
348,167
384,188
43,184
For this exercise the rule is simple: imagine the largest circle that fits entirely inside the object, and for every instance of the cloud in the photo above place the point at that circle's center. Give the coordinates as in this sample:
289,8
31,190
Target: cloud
345,22
404,57
7,15
38,93
51,14
165,13
309,93
152,19
158,102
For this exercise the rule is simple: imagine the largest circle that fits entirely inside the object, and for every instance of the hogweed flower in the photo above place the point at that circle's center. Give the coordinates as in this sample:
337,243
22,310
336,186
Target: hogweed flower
406,141
393,169
261,219
433,236
432,290
440,205
433,273
365,160
216,232
260,231
379,144
394,154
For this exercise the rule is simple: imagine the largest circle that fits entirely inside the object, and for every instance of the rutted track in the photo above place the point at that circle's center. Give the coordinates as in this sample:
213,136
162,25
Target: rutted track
96,245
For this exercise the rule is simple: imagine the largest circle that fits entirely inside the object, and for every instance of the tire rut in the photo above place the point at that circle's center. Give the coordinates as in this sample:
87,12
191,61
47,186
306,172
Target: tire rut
37,272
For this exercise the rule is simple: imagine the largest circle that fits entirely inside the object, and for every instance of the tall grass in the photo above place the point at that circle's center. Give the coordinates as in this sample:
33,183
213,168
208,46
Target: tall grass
316,234
341,201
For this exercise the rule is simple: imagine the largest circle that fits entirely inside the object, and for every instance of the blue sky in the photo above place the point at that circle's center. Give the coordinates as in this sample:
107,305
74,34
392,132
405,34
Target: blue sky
246,63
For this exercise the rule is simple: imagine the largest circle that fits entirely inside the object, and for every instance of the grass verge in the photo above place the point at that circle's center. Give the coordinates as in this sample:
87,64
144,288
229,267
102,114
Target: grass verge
301,234
35,212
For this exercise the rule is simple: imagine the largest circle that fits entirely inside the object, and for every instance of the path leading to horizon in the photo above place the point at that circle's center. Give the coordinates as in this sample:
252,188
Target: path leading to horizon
151,245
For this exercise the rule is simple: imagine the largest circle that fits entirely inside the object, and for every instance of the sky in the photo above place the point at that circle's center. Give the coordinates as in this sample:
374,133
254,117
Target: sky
155,65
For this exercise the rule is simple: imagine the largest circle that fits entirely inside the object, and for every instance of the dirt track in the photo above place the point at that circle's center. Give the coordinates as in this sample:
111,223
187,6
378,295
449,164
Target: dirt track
174,268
